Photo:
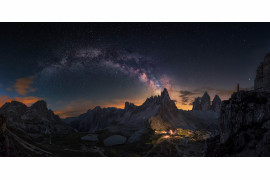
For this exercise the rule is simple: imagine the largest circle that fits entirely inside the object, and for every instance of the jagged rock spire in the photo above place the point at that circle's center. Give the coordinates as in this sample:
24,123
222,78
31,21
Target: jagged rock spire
216,98
165,94
129,106
197,104
205,102
216,104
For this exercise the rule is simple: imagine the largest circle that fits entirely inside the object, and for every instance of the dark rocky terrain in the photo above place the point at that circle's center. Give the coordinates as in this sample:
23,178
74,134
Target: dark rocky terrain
244,120
156,128
34,120
157,112
262,81
27,126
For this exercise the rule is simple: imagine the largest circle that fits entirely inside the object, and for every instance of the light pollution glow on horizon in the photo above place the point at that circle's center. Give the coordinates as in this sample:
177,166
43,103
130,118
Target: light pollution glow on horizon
75,109
174,95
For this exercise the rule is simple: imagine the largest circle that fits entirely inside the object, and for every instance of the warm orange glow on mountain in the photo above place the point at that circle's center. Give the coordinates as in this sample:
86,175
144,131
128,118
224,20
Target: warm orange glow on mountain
25,100
77,108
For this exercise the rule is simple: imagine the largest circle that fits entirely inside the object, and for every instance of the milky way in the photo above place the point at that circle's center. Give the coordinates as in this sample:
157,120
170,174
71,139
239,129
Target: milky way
100,61
101,76
82,65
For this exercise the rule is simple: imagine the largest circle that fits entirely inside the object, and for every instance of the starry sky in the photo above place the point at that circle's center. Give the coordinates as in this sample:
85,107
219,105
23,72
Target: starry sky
77,66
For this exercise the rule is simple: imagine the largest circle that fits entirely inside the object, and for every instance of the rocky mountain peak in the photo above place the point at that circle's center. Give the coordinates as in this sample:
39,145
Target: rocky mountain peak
163,99
129,106
165,94
97,108
206,96
216,99
39,110
197,104
204,104
14,104
262,80
40,106
13,109
216,104
34,119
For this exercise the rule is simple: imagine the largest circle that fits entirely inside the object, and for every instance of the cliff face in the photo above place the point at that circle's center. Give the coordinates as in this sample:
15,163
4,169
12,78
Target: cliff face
34,120
216,104
243,109
244,126
197,104
204,103
244,121
262,81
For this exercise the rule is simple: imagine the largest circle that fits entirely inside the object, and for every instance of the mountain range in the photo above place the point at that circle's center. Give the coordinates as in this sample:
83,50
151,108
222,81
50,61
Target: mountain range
37,131
158,112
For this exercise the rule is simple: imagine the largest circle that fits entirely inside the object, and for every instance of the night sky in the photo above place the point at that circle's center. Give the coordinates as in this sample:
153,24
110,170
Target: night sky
77,66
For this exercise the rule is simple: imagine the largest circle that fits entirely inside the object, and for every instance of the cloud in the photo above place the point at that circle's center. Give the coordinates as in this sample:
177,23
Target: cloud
225,92
28,101
74,108
68,113
23,85
186,96
9,89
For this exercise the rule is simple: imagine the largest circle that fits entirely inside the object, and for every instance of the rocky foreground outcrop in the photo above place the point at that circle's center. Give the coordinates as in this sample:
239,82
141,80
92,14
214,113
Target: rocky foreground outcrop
244,121
244,126
262,81
243,109
35,120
